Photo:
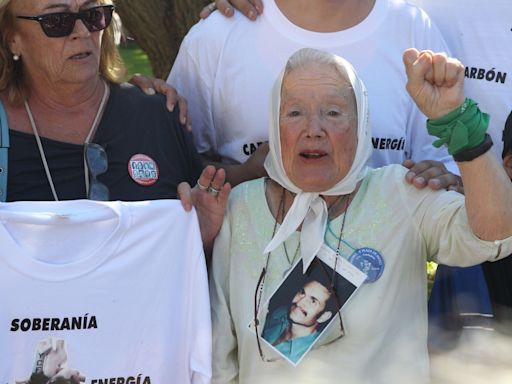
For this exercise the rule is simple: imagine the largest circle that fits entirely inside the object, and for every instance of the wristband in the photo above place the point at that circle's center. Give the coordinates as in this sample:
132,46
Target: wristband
472,153
461,129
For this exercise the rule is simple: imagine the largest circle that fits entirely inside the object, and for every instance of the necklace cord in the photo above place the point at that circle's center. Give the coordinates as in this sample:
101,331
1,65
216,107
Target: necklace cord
347,203
95,123
333,281
99,113
261,281
41,152
258,293
282,204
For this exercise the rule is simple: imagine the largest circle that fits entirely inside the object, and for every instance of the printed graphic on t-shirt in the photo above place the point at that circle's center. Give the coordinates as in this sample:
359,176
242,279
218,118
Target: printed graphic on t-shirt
50,365
490,75
395,144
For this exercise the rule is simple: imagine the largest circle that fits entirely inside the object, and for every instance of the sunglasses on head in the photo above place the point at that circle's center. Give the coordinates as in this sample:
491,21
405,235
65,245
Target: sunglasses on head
60,24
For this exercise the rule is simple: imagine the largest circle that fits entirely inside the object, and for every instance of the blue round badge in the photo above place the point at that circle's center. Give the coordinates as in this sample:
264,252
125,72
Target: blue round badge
369,261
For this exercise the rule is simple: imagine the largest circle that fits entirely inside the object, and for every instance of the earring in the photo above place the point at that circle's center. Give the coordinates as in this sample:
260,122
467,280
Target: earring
15,57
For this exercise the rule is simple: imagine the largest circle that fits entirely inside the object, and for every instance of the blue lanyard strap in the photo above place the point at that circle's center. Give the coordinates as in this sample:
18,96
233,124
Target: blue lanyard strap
335,236
4,148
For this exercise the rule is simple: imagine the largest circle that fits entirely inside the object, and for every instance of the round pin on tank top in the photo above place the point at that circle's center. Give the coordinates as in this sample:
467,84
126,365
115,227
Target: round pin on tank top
369,261
143,169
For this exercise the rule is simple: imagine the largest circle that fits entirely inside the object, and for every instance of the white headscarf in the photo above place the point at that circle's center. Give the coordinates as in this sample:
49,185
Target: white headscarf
309,208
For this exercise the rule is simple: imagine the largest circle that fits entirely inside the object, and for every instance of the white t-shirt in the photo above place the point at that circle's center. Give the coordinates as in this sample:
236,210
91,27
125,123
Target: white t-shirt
479,33
110,292
226,69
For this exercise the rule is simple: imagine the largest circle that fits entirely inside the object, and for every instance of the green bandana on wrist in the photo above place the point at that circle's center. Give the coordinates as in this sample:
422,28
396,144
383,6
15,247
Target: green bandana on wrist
463,128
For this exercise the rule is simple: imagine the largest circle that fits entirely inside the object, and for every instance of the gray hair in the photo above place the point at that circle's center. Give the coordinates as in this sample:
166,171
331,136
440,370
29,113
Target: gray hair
306,56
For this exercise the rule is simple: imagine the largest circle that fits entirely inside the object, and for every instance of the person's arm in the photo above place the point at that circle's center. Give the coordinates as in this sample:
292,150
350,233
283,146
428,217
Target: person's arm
436,84
250,8
432,174
488,192
193,75
429,167
252,169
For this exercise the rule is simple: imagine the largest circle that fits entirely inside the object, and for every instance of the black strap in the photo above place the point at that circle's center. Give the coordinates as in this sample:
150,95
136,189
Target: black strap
4,151
473,153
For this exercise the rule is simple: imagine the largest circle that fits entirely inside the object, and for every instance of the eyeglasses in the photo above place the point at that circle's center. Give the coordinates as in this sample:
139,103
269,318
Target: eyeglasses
97,163
61,24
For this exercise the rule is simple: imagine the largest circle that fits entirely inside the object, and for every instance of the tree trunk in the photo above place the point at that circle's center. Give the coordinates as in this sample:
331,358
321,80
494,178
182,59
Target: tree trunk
158,26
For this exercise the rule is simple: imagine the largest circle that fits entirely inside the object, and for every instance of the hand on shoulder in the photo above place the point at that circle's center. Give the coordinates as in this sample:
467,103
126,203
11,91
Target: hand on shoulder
151,86
250,8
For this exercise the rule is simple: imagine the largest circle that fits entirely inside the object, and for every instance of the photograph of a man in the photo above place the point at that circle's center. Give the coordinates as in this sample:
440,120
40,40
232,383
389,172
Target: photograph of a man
302,307
292,329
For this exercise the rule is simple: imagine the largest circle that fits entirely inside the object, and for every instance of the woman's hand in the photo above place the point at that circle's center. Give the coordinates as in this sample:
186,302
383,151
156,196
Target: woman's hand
250,8
150,86
434,81
209,197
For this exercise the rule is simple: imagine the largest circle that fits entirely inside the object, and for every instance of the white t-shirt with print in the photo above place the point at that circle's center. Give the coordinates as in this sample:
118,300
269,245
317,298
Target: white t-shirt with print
105,292
226,69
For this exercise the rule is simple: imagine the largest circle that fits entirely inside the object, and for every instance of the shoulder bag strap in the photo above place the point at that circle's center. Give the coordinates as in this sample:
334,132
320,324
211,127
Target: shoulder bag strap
4,148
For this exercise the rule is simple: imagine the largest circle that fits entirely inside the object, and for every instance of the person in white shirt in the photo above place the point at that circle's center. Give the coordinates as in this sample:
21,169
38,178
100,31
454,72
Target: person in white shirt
225,69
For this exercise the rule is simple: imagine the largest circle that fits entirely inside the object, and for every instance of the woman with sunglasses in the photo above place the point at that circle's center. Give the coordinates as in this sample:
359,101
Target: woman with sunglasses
60,85
322,199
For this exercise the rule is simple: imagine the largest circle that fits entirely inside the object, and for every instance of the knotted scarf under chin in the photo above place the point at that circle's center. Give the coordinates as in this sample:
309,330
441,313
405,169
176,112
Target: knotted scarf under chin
309,208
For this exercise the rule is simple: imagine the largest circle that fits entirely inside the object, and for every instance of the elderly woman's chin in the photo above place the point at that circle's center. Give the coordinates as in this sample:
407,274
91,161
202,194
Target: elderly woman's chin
316,174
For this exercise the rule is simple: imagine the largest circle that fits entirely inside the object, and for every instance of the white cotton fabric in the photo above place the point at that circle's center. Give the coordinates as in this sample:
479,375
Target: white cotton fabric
137,267
308,208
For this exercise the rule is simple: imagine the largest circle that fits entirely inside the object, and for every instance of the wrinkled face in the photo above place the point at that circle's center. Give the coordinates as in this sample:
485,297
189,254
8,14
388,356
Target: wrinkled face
318,126
57,60
308,304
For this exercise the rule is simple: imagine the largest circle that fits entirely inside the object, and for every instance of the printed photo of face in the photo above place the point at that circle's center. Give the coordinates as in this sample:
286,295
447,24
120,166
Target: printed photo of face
307,308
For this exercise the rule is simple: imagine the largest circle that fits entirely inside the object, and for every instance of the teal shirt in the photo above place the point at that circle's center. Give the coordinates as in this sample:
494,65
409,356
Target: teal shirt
293,349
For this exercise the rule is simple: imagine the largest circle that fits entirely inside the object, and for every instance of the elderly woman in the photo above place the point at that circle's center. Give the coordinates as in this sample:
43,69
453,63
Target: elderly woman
60,85
320,193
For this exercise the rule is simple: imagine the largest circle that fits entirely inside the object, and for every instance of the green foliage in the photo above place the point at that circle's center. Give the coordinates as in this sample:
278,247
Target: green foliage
431,274
135,59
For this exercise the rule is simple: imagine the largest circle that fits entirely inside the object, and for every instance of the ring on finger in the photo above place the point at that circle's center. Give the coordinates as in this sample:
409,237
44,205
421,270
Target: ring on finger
213,190
201,186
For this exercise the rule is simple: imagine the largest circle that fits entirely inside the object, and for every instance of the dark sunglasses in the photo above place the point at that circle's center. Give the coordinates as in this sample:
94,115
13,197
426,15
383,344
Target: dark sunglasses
97,162
61,24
